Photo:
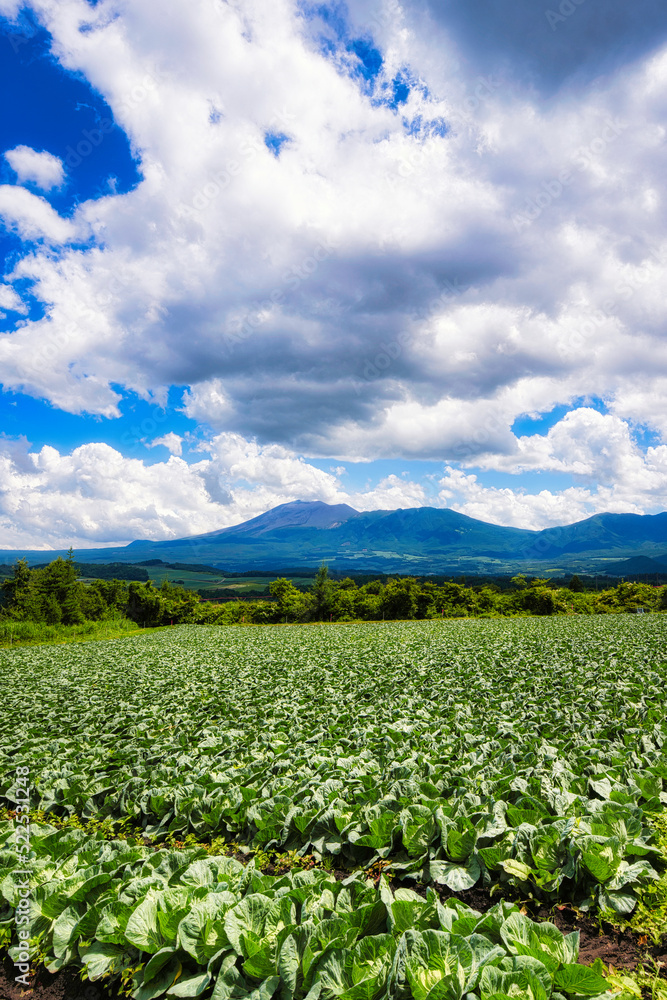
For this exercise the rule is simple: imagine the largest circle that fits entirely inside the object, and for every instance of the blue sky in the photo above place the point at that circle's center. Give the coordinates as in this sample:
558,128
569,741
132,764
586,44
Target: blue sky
356,252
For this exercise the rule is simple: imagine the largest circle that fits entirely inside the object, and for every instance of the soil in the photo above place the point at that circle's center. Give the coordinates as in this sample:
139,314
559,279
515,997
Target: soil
44,985
620,949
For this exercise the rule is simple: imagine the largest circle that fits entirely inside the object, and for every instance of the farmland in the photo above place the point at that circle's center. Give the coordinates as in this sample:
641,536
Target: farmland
524,756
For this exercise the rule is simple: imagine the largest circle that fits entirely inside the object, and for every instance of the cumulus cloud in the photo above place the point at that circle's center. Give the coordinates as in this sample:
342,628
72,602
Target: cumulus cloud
11,300
41,168
32,217
94,496
547,45
594,447
172,442
355,252
519,509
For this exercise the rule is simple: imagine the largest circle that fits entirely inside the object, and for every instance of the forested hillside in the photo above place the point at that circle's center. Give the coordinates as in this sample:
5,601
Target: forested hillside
55,597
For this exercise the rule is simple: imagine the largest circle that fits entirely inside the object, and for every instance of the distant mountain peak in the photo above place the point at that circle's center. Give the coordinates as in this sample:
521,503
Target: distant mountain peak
421,540
296,514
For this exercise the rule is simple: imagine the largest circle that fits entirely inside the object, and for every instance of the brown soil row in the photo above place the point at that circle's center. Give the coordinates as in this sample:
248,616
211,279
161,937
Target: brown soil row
620,949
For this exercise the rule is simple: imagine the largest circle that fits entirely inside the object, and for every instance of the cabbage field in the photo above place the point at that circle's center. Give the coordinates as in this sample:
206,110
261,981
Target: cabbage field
524,756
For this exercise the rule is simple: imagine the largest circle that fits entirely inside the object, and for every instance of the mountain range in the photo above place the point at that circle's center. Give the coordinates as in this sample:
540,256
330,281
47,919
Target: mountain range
414,540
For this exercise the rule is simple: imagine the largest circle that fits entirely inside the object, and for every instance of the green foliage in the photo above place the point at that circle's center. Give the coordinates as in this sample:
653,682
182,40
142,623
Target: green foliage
399,598
525,753
14,632
53,595
321,604
367,742
289,600
650,916
111,571
181,924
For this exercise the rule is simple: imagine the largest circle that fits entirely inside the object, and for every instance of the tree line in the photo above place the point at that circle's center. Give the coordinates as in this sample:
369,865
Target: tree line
54,595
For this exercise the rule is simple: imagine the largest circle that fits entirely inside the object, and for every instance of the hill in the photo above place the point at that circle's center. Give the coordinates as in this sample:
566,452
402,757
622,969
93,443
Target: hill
419,540
636,568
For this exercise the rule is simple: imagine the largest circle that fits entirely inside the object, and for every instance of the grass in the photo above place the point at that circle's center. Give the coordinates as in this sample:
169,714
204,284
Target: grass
649,920
13,634
650,915
185,578
643,982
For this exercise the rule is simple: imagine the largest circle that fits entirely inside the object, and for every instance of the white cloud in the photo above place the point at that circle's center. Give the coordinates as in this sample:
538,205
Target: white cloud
642,400
11,300
596,448
392,493
519,509
94,496
207,403
32,217
367,293
42,168
271,468
173,443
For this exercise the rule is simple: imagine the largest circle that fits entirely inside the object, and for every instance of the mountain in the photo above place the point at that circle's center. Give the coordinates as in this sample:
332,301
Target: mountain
414,540
636,567
299,513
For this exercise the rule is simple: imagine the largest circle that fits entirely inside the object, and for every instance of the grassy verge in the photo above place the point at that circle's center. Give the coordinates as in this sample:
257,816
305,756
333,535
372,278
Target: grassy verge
650,915
14,634
644,982
649,920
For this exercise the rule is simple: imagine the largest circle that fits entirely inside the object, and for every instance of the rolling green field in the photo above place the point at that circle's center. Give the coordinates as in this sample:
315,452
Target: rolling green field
523,755
199,580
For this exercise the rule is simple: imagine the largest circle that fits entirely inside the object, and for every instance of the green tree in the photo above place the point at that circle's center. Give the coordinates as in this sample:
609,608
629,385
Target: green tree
399,598
539,600
144,604
58,582
289,600
367,602
427,601
321,596
20,596
93,605
455,600
51,610
113,594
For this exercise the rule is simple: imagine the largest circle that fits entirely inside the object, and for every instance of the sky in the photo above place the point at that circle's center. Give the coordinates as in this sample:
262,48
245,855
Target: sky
384,253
